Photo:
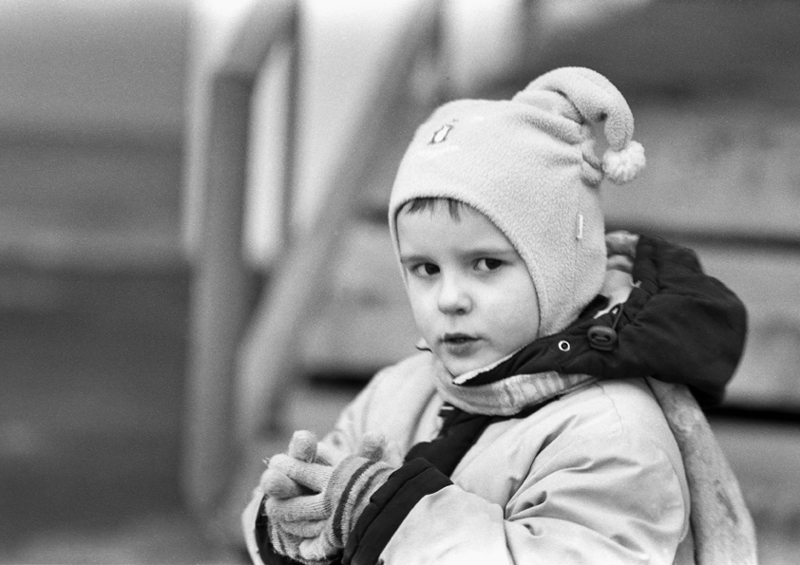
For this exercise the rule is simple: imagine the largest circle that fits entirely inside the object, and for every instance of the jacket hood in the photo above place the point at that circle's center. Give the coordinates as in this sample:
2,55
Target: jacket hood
678,325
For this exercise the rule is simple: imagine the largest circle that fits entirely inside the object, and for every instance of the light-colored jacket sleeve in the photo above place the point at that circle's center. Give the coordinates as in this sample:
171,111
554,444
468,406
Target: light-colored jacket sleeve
588,503
249,517
398,403
367,412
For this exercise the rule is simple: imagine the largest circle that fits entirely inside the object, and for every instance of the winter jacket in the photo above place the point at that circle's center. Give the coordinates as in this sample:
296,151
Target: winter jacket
577,462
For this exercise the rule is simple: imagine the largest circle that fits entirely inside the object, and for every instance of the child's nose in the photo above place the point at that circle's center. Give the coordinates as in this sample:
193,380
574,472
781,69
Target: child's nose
453,297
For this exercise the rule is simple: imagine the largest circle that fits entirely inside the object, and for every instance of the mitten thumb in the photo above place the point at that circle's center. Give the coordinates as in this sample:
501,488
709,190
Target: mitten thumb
311,475
372,447
375,448
277,485
303,446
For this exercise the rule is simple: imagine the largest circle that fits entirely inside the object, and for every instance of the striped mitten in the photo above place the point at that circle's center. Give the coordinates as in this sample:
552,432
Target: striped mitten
320,522
276,485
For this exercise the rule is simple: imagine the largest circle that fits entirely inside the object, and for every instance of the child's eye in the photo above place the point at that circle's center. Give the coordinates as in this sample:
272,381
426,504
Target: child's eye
488,264
425,269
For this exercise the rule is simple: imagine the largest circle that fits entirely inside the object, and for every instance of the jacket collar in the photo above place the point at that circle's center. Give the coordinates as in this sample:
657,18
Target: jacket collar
678,325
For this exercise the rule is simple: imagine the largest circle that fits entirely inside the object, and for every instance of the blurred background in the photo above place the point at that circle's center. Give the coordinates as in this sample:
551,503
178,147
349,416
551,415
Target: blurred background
194,256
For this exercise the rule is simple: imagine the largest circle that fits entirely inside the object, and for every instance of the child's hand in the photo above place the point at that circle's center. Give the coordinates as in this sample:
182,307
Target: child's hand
302,447
288,545
320,520
277,485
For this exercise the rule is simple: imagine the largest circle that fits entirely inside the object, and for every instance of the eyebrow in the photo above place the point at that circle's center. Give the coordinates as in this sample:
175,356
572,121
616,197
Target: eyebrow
504,253
492,251
405,259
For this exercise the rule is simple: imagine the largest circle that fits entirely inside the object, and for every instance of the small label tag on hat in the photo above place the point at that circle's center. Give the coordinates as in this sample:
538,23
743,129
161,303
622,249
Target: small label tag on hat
441,134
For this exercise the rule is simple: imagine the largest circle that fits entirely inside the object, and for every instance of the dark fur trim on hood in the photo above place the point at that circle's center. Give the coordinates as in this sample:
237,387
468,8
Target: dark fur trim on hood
678,325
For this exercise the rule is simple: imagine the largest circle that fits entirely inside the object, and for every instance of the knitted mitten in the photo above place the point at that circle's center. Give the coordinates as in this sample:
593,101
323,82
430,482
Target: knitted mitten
303,447
275,484
315,526
284,543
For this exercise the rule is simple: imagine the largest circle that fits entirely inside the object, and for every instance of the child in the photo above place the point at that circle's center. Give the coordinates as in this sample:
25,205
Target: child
525,431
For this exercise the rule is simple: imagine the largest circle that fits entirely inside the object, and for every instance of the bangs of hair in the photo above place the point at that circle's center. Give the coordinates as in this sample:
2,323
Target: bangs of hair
431,203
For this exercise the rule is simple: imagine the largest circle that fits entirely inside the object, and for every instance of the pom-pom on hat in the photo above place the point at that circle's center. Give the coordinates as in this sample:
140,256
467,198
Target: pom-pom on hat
529,165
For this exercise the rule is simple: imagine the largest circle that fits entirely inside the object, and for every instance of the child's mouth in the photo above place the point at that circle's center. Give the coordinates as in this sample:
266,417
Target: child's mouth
457,338
458,344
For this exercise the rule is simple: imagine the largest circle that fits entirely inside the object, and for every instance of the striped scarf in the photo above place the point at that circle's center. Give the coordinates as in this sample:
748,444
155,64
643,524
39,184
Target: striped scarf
505,388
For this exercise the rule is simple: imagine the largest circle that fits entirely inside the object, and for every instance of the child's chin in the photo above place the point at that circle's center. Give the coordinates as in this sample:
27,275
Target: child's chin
463,358
461,367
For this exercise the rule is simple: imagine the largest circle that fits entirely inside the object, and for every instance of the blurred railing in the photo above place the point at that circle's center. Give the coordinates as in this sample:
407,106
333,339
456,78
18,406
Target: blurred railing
242,365
223,283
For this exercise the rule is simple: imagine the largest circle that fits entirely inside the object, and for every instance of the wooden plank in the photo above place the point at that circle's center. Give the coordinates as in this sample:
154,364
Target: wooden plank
265,22
219,300
724,167
765,458
103,203
223,284
768,284
367,323
93,68
684,49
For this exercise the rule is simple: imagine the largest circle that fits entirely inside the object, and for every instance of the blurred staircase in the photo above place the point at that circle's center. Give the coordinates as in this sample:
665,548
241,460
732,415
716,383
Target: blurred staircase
91,120
720,128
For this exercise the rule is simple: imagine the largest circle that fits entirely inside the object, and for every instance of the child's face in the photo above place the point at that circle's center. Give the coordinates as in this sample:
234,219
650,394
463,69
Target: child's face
470,291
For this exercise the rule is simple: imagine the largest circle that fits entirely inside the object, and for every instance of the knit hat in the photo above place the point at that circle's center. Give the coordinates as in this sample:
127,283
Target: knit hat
528,164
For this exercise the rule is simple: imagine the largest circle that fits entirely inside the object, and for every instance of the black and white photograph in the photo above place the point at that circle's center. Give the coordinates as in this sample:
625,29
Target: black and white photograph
399,282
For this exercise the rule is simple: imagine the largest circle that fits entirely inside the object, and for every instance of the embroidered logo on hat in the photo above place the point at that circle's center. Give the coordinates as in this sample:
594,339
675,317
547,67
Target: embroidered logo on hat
440,135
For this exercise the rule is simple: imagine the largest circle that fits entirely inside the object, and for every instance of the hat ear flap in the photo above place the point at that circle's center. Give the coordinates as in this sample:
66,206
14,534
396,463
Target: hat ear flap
598,101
